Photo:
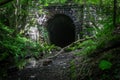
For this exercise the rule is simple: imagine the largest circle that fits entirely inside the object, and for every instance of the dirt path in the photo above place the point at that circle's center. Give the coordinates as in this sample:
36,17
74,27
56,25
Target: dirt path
47,69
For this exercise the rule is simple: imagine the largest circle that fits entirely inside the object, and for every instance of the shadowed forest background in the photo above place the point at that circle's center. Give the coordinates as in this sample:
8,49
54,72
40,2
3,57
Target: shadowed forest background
59,39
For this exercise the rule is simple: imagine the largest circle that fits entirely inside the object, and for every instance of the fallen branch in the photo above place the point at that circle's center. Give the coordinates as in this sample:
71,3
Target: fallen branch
62,50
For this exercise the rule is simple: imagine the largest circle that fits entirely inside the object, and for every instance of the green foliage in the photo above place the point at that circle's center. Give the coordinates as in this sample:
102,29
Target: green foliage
9,44
73,73
103,38
87,47
70,49
49,2
11,49
48,48
104,2
14,49
104,65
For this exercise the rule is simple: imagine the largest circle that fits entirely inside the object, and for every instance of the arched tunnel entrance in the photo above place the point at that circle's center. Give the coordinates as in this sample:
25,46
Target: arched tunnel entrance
61,30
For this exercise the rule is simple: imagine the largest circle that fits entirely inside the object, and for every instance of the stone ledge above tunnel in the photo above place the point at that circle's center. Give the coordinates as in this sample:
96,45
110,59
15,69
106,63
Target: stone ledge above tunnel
74,12
61,30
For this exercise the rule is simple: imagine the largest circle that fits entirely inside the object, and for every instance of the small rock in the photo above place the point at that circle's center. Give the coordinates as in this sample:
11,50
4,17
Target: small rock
31,63
46,62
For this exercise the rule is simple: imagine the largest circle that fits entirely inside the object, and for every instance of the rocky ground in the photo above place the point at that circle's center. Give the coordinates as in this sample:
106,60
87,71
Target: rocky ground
56,68
60,67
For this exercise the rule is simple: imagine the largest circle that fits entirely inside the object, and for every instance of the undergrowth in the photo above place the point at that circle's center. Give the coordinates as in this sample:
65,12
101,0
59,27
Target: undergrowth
15,49
104,39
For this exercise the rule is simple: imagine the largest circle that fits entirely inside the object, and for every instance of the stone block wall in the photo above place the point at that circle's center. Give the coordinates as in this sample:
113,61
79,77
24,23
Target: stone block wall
73,11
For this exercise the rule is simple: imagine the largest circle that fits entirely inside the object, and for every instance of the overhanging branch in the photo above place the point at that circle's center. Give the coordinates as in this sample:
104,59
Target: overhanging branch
5,2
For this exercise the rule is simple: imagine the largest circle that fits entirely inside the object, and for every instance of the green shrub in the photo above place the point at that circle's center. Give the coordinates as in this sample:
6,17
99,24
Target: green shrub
104,65
12,49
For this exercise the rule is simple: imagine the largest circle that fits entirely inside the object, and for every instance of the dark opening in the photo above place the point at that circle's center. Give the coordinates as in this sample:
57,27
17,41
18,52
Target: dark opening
61,30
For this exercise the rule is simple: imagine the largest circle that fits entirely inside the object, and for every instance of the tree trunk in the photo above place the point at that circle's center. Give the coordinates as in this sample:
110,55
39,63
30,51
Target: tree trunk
114,13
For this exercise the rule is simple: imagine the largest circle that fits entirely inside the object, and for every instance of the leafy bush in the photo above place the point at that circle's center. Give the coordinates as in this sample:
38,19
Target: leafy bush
104,65
73,73
14,50
103,39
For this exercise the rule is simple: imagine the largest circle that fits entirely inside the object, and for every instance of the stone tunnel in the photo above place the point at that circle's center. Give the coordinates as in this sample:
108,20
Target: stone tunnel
63,24
61,30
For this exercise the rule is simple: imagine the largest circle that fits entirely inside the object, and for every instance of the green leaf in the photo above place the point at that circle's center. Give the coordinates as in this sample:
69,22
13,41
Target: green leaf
104,65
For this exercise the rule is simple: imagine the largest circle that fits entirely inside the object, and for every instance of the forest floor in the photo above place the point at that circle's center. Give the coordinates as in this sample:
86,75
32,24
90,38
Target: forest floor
103,64
56,68
69,66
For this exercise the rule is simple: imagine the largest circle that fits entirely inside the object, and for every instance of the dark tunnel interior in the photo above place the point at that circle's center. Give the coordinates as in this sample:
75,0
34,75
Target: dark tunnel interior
61,30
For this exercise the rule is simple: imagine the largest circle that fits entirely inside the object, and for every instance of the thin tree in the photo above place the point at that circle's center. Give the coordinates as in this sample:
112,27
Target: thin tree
114,12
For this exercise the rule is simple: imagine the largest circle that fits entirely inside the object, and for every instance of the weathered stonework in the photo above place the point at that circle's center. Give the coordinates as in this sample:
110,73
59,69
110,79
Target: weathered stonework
73,11
85,18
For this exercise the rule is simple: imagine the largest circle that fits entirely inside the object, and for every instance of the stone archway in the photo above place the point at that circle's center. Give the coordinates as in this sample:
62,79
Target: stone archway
61,30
